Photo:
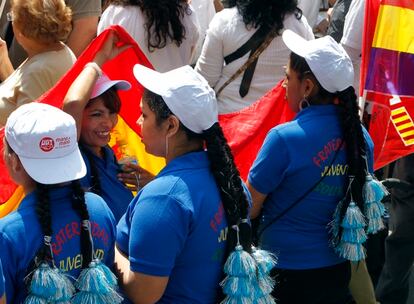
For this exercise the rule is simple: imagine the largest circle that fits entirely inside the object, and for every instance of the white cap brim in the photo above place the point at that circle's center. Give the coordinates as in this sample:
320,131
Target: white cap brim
151,79
120,85
44,170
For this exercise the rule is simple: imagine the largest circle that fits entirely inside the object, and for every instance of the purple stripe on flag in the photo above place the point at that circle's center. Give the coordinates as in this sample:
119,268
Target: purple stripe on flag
390,72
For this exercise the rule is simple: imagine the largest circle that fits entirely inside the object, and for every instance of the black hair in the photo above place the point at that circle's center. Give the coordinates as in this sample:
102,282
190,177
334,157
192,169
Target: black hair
224,171
110,100
163,20
353,136
45,220
267,13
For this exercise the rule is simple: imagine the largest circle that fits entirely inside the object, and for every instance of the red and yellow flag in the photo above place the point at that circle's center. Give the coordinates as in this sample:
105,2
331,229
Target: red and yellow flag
245,130
387,76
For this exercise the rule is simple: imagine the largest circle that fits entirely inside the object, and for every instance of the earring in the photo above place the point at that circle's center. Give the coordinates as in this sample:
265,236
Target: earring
166,146
304,103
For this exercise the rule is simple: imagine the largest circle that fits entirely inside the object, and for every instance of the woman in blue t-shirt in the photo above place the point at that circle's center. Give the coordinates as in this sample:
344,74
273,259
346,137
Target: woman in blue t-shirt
305,168
57,230
94,103
2,293
174,237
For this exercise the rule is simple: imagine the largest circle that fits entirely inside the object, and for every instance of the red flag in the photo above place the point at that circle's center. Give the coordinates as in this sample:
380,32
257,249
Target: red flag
247,129
117,68
387,75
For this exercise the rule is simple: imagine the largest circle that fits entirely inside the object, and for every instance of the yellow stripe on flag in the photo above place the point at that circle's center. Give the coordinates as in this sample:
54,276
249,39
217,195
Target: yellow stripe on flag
394,30
122,132
403,124
12,203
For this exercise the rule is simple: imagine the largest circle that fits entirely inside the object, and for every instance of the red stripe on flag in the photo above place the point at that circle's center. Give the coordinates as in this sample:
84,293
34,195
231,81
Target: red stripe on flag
401,3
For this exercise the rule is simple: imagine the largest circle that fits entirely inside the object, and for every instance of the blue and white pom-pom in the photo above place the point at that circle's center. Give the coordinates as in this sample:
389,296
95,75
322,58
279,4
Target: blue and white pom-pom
353,236
372,193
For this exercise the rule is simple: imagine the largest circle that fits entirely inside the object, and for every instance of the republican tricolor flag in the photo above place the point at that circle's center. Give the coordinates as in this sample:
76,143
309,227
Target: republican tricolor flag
387,76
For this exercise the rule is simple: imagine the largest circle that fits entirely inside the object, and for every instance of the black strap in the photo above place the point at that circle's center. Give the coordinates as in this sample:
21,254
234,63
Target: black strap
295,203
251,46
9,35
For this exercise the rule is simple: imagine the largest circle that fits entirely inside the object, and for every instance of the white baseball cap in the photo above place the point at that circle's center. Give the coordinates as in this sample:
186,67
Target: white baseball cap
326,58
103,84
45,140
186,93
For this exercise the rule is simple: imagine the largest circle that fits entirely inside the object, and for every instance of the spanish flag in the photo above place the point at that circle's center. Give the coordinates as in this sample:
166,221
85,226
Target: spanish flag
387,76
245,130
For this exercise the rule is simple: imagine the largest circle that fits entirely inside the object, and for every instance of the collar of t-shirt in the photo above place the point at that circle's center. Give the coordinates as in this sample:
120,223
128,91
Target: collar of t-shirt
192,160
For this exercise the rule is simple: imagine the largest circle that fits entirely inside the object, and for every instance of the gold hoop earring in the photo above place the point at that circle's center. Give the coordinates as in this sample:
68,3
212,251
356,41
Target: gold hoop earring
304,103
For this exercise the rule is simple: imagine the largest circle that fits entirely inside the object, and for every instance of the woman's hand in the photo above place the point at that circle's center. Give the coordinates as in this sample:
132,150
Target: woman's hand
6,67
110,49
135,177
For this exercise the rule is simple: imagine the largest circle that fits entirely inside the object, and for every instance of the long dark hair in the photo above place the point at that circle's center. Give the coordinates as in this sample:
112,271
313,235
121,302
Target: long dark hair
267,13
353,136
163,20
224,171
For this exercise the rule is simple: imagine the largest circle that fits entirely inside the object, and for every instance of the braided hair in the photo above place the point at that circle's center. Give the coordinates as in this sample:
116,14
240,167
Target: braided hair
163,20
353,136
224,171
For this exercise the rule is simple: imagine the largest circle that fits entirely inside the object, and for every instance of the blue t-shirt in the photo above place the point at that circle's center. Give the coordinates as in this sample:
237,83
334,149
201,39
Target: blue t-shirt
176,227
21,237
294,156
115,194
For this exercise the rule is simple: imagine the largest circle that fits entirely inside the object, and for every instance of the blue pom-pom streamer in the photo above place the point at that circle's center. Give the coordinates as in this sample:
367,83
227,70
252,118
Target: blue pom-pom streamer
32,299
265,260
374,210
373,190
48,283
263,286
351,251
237,286
353,218
240,263
237,300
354,235
375,225
265,300
93,280
109,276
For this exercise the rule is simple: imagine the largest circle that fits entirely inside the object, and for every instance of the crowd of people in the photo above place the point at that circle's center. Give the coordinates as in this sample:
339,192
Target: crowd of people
90,230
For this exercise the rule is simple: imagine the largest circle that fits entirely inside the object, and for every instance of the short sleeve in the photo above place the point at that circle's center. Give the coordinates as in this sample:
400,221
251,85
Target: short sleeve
159,228
271,164
1,281
9,259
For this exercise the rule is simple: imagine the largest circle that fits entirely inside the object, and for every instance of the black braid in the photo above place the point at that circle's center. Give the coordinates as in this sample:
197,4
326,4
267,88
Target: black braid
79,205
45,219
224,170
228,179
95,186
355,148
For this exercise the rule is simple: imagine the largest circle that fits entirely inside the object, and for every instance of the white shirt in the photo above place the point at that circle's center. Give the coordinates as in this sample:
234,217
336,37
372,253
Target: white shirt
352,36
133,20
226,33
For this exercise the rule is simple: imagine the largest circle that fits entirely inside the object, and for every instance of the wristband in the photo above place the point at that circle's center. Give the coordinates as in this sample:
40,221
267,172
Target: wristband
94,66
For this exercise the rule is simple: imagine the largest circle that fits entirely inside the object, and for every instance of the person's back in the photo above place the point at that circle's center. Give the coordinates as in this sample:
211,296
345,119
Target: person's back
192,212
58,231
21,237
164,53
227,32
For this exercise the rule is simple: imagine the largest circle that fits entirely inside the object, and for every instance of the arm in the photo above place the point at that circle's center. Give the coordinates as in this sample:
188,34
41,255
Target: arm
210,62
80,91
83,31
140,288
257,201
6,67
218,5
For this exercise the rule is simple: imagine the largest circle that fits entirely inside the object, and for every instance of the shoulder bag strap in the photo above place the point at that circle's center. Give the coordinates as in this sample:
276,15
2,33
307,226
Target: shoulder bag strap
252,61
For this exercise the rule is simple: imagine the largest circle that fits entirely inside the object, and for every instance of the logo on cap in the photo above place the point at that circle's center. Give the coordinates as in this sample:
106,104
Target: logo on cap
46,144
